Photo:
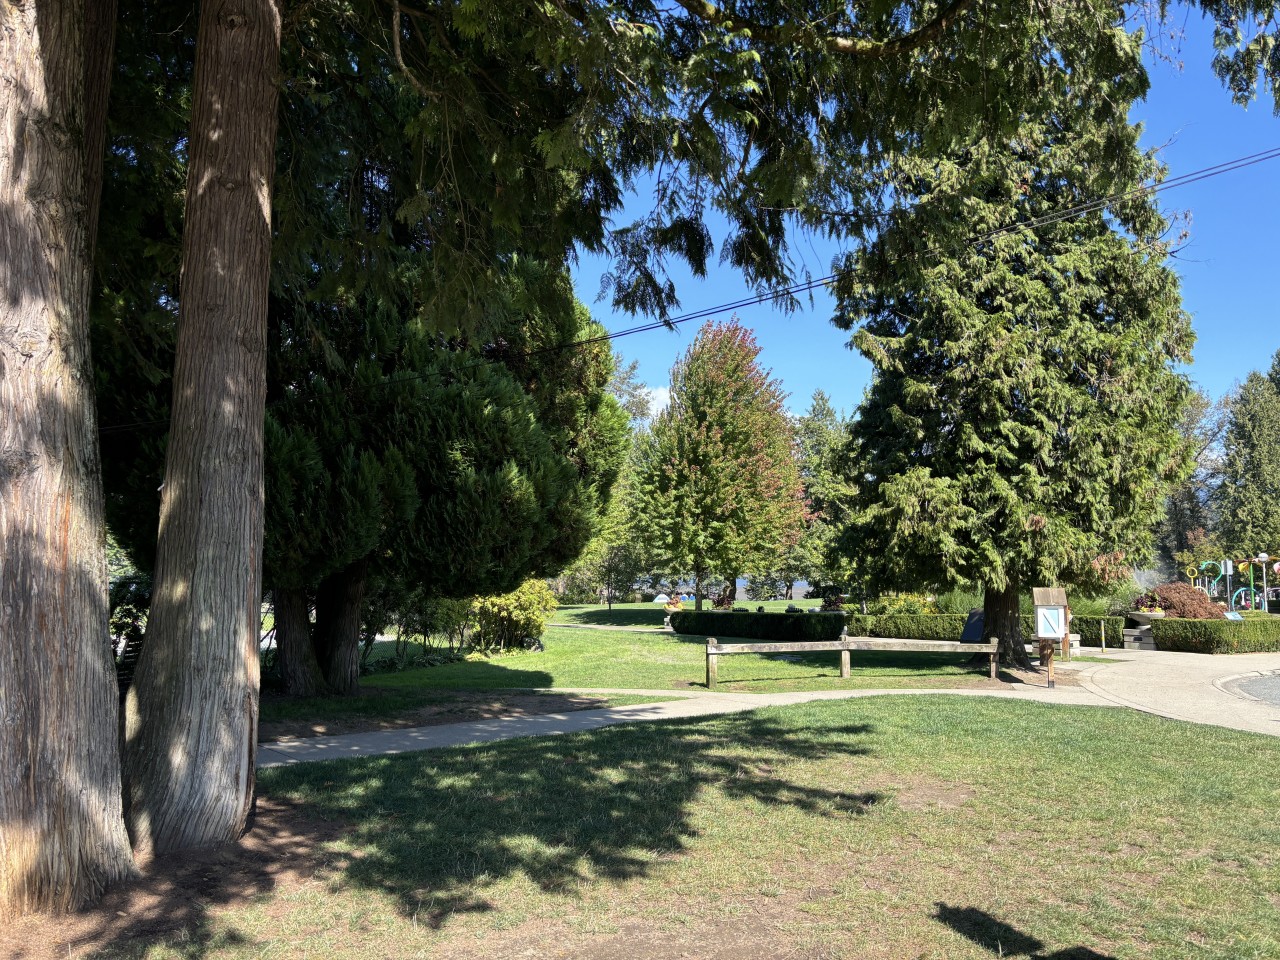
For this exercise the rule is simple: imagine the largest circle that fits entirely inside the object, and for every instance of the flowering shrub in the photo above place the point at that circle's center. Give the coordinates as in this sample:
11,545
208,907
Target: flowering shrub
509,619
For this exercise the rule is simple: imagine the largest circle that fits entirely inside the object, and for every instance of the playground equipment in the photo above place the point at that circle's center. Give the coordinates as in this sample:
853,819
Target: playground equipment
1210,574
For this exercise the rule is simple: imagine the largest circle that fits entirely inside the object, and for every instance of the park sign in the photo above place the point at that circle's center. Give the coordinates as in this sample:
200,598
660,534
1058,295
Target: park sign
1051,623
1051,612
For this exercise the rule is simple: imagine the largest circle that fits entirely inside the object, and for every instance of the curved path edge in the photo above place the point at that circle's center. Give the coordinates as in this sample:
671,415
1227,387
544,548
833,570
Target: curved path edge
1180,686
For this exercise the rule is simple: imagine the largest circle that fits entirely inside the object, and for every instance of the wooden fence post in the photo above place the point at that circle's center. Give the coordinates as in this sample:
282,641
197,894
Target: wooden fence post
711,664
844,664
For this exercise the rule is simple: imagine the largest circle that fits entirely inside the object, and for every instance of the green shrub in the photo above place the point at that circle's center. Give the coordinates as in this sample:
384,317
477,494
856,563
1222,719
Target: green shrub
894,604
949,626
769,627
920,626
1090,630
1217,636
505,621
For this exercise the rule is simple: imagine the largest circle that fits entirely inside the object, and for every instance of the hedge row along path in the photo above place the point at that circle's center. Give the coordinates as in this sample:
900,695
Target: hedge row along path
1181,686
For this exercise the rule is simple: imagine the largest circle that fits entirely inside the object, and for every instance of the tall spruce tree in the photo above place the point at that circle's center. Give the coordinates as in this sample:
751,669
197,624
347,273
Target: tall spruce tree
717,480
1021,426
1249,495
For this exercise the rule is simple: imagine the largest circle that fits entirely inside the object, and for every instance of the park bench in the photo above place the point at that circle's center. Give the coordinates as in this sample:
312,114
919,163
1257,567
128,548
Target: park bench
845,645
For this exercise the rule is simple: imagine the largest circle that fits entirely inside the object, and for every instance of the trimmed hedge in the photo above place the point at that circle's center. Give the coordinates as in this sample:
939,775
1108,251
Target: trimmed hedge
770,627
1089,628
806,627
908,626
1217,636
949,626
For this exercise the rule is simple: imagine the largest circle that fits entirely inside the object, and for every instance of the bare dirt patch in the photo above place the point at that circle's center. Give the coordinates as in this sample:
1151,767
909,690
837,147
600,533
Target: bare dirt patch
457,707
176,895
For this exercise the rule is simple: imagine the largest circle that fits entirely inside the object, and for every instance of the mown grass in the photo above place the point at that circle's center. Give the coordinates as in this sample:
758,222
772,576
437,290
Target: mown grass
666,661
893,827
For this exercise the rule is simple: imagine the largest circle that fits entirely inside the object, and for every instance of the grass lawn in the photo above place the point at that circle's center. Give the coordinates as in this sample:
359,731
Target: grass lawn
897,827
665,661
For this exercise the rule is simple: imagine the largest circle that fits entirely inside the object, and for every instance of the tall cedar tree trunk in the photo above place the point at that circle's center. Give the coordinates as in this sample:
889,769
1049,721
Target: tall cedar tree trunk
62,837
299,668
338,605
192,712
1002,619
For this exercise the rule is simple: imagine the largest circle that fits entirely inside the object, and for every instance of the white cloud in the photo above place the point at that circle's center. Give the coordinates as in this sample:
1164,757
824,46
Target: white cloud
659,397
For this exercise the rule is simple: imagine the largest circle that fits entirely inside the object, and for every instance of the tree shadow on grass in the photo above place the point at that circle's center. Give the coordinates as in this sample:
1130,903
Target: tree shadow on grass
1004,940
442,831
604,617
439,830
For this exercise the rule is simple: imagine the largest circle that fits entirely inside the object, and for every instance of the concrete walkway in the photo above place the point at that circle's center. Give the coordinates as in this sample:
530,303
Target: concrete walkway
1182,686
1188,686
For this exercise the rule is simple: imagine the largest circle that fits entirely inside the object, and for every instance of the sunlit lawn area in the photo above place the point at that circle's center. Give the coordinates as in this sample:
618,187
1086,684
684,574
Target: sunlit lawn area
665,661
896,827
621,660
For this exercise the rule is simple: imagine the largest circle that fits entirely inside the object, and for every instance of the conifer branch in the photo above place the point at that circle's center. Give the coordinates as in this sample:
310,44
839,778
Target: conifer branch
848,46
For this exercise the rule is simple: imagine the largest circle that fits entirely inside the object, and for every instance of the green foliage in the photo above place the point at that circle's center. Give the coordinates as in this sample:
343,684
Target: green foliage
1090,630
1255,635
1181,600
1185,535
1250,489
717,482
935,626
129,600
1021,424
820,437
507,621
772,627
949,626
911,604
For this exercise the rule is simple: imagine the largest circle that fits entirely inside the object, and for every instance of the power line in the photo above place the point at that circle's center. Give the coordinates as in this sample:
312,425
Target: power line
1091,206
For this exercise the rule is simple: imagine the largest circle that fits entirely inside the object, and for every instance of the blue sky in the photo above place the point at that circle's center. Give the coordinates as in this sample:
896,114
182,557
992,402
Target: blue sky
1229,268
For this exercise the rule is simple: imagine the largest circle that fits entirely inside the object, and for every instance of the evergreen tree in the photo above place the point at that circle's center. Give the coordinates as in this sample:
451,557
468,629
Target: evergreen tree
718,486
822,434
62,839
530,116
1021,426
616,557
1249,495
1190,515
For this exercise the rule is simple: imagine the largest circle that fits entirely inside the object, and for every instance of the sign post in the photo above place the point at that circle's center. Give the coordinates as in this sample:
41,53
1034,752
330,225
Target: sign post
1052,623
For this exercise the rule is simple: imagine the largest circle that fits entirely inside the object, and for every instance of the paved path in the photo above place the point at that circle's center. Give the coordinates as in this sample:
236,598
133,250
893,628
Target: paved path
1188,686
1183,686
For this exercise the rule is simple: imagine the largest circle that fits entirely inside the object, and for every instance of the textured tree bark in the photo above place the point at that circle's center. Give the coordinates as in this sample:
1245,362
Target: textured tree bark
100,39
1001,619
62,837
192,712
338,605
299,668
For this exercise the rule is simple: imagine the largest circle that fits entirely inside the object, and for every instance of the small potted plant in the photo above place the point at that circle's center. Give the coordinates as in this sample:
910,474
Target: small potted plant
1148,608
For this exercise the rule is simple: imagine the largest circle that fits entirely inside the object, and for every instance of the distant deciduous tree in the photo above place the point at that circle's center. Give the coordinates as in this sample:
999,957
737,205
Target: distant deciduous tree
1190,515
718,483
